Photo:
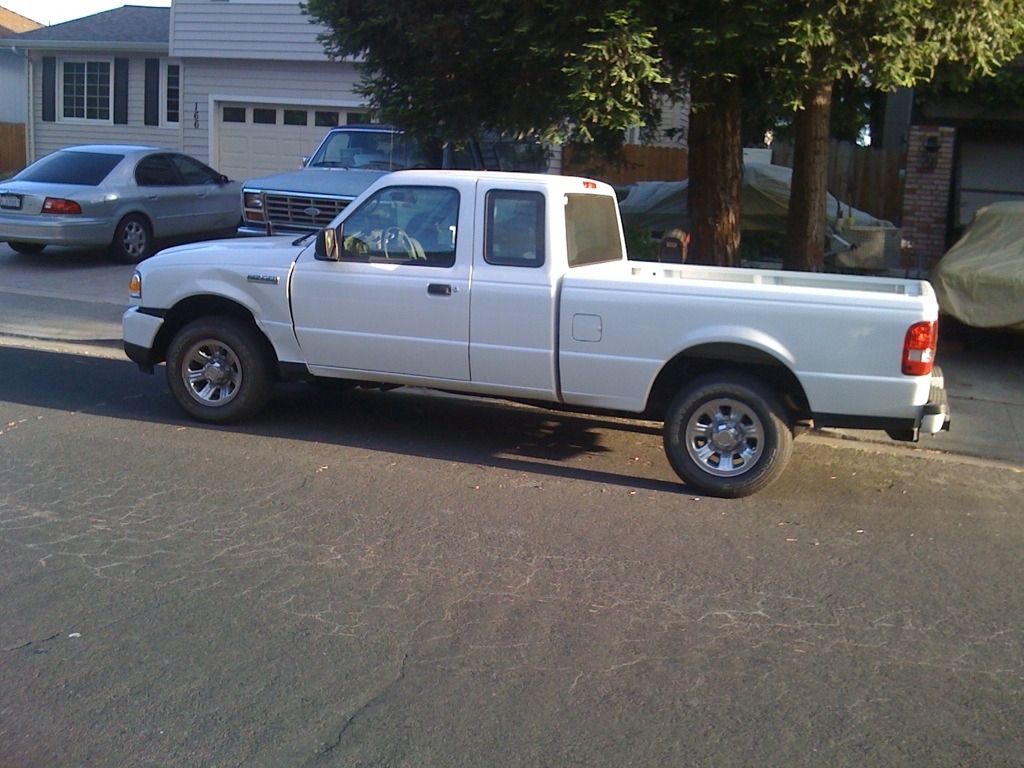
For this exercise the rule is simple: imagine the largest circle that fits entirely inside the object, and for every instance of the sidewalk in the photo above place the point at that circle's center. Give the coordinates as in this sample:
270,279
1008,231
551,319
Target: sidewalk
984,371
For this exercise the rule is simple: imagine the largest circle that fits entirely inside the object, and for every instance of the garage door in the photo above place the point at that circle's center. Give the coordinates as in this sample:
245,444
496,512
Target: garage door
989,171
259,139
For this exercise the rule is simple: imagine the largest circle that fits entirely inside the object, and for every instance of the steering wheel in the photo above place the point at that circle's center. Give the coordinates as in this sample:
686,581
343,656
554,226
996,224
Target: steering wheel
398,237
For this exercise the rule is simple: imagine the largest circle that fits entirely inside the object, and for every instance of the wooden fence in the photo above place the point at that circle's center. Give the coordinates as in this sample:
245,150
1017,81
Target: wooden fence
638,164
866,178
12,147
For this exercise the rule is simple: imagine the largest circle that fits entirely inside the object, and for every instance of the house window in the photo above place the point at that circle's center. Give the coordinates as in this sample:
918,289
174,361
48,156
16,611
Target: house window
296,117
325,119
234,114
261,115
85,90
172,94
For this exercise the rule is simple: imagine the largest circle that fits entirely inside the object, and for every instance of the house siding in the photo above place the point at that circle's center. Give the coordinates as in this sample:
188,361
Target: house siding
244,29
12,87
51,136
211,81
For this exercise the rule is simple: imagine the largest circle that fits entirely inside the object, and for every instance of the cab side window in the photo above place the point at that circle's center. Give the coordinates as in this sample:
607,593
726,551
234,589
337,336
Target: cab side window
514,228
406,225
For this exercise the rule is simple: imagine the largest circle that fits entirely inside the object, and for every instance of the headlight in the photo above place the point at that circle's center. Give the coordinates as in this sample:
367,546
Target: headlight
252,202
135,285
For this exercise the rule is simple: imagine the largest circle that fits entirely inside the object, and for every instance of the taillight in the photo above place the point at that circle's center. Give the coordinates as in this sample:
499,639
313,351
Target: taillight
919,348
60,205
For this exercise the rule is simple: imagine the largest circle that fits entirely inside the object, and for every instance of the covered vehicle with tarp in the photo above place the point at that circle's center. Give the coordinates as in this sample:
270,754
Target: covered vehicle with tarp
980,280
855,239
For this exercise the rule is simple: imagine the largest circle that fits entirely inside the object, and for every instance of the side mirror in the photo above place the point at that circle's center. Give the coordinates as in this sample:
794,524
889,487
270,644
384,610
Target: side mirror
328,244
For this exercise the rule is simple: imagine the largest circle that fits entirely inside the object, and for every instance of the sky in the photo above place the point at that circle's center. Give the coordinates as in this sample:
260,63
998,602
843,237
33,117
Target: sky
58,11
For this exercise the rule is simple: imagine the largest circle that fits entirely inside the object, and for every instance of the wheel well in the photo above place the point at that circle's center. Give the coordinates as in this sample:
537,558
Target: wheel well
708,358
194,307
141,215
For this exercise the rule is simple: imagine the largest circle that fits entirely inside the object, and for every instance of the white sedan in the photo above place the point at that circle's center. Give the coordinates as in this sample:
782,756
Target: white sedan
118,197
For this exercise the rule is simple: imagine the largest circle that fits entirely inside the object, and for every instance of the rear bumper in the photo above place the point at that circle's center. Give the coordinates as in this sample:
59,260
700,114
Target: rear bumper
56,230
932,417
935,415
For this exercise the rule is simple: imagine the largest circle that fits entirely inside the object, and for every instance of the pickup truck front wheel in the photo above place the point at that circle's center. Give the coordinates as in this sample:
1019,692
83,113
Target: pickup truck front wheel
217,370
727,435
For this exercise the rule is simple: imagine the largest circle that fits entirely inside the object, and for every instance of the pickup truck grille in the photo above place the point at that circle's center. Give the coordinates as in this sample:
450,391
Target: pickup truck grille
300,213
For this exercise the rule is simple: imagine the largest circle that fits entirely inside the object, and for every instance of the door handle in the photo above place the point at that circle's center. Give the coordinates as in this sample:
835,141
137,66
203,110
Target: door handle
440,289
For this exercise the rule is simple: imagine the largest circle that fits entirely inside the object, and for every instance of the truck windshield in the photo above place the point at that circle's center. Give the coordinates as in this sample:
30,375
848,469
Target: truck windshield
592,230
380,150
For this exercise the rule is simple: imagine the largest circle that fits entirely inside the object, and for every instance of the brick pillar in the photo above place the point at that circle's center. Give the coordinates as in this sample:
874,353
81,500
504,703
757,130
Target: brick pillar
926,194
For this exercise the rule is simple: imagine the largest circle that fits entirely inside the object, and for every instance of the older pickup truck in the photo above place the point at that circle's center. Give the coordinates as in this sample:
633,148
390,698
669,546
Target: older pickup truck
518,286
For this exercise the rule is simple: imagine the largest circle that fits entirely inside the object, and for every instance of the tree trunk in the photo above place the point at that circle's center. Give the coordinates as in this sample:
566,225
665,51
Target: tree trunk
805,227
716,172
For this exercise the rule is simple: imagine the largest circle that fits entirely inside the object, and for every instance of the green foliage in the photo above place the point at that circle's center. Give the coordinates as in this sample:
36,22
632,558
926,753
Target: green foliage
555,70
1002,90
582,72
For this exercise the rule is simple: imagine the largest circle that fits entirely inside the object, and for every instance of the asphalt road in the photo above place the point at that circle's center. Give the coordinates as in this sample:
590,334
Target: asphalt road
400,579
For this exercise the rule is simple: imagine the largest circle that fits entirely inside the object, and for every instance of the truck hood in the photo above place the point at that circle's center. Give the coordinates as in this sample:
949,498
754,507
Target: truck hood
329,182
270,252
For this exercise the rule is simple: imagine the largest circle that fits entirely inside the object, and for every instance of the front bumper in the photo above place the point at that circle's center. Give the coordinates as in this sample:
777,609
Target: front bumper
139,331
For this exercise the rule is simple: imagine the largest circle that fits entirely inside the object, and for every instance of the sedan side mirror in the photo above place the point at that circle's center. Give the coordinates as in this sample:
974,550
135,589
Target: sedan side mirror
328,244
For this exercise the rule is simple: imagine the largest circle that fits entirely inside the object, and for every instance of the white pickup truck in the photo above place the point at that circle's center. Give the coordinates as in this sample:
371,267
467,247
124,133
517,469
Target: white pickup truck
518,286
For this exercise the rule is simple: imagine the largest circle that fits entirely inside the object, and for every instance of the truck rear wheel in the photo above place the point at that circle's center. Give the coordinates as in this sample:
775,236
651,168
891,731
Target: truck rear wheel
727,435
218,371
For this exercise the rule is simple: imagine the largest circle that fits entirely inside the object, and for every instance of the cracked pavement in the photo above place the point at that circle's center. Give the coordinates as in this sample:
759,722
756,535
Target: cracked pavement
395,579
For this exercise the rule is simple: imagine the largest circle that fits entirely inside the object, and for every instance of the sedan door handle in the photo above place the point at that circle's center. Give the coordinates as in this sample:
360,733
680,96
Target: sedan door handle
440,289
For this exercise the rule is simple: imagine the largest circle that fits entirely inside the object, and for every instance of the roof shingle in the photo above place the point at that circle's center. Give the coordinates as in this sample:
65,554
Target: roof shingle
128,24
12,23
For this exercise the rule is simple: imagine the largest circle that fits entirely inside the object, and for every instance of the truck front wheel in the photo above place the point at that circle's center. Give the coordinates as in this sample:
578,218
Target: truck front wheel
727,435
218,371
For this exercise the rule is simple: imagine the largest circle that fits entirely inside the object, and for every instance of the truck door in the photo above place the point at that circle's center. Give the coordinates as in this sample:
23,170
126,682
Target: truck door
514,292
397,301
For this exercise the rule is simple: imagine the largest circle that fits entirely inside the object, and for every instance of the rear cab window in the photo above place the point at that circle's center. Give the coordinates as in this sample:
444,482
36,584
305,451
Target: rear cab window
591,230
87,169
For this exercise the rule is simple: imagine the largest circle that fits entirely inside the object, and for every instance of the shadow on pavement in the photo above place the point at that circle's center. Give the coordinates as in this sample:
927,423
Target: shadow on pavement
406,421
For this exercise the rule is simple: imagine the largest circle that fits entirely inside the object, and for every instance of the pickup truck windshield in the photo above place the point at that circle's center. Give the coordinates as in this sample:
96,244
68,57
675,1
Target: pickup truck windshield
591,230
380,150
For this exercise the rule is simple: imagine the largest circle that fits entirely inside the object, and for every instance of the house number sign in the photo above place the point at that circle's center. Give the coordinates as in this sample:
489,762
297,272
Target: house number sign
195,116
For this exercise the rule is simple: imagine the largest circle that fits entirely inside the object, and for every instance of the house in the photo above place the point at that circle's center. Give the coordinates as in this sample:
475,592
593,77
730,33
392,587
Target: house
13,97
962,154
241,84
12,69
99,79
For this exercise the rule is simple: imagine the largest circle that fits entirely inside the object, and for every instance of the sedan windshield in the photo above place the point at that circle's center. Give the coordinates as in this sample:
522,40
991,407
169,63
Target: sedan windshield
84,168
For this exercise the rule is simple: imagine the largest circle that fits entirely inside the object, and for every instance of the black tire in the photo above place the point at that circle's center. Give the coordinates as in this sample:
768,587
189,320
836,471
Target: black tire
133,239
727,435
218,370
28,249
